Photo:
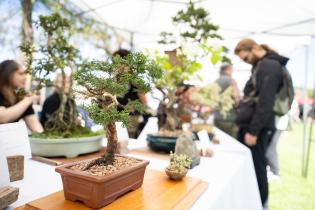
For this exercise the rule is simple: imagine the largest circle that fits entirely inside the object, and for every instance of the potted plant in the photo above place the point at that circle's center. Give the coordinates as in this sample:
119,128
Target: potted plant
179,165
179,67
100,181
63,136
208,99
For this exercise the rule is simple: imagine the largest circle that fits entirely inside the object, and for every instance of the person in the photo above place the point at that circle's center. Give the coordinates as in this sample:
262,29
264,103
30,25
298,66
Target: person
13,105
265,81
52,103
137,119
225,81
271,153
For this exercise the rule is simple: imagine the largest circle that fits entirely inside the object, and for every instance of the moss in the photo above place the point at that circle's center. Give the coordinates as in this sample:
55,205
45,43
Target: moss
82,132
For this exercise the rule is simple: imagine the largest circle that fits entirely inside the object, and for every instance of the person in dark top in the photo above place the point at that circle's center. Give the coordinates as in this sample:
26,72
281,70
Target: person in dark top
225,80
52,103
138,120
265,81
14,105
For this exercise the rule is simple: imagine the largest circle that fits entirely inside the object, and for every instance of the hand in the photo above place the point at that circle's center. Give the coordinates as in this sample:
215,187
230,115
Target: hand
250,140
33,99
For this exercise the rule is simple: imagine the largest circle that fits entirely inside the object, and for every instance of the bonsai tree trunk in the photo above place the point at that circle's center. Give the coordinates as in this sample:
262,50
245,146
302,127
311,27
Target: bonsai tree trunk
112,142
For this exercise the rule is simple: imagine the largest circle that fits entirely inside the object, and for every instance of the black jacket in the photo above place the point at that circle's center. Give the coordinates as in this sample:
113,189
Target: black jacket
268,75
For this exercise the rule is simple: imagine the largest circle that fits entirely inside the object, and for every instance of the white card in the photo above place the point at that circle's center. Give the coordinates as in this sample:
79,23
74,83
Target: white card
4,171
204,138
14,140
122,132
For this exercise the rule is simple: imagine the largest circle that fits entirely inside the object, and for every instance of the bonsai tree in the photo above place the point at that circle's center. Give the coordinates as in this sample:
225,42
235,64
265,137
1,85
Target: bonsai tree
103,81
210,98
55,55
196,28
182,64
178,167
176,70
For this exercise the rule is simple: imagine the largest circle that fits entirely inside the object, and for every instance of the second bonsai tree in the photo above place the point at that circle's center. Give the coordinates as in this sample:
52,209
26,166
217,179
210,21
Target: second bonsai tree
103,81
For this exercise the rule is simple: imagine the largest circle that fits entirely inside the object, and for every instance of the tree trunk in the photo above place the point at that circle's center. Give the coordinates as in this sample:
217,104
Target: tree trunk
112,139
27,33
27,29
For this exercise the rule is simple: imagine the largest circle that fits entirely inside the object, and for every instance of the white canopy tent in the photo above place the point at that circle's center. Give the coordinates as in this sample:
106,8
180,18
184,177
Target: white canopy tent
284,24
145,19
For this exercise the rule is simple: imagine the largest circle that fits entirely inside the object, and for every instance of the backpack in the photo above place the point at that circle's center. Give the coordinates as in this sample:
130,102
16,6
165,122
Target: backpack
285,94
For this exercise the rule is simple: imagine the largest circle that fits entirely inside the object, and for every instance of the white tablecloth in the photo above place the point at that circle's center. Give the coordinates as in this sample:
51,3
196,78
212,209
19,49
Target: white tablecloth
230,174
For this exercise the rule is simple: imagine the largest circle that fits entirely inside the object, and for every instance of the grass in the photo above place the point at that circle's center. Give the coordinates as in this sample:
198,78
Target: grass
292,191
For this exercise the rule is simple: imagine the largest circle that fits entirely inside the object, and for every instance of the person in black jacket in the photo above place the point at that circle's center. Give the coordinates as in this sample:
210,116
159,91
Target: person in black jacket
265,81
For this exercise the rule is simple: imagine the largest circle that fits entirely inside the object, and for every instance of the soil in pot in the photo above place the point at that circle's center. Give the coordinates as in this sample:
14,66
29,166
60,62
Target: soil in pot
101,170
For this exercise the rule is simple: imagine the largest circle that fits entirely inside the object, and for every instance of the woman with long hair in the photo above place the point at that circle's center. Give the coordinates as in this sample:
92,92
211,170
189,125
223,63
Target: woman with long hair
14,105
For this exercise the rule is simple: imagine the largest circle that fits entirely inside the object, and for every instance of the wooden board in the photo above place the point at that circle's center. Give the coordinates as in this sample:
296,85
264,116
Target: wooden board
145,151
157,193
62,160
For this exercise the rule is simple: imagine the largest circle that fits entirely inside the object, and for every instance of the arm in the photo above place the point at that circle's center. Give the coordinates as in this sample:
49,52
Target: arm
12,113
236,92
142,98
33,124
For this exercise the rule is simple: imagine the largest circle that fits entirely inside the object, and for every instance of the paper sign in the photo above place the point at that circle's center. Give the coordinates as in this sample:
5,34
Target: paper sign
4,172
204,139
122,132
14,140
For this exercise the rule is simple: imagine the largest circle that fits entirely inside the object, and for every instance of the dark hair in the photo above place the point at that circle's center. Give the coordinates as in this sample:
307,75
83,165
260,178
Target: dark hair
122,53
268,49
7,69
224,67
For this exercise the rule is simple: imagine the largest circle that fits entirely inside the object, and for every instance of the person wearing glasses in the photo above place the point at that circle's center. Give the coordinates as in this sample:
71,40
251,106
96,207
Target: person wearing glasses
265,81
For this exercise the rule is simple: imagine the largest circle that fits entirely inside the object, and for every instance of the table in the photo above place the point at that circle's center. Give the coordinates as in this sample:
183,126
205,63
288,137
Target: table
230,175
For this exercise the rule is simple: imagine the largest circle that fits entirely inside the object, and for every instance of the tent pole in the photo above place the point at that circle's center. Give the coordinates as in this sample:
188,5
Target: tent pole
304,110
310,138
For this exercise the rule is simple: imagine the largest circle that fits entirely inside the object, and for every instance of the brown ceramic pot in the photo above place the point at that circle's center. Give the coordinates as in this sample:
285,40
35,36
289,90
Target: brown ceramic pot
98,191
175,175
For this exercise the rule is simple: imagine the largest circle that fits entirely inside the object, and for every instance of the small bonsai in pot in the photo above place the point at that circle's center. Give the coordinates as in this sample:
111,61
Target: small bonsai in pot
179,165
101,82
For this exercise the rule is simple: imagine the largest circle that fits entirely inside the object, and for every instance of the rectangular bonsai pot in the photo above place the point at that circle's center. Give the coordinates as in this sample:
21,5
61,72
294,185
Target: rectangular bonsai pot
98,191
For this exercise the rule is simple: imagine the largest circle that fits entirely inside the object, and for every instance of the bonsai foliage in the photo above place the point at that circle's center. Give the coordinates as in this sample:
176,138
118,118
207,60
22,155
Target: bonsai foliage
177,69
179,163
210,98
56,55
103,81
197,28
181,65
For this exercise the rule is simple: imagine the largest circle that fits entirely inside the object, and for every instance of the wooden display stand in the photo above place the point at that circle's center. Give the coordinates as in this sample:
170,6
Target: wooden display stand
157,192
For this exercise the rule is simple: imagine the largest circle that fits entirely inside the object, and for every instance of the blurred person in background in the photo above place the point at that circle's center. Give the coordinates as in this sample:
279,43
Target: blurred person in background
15,104
271,153
225,81
138,120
